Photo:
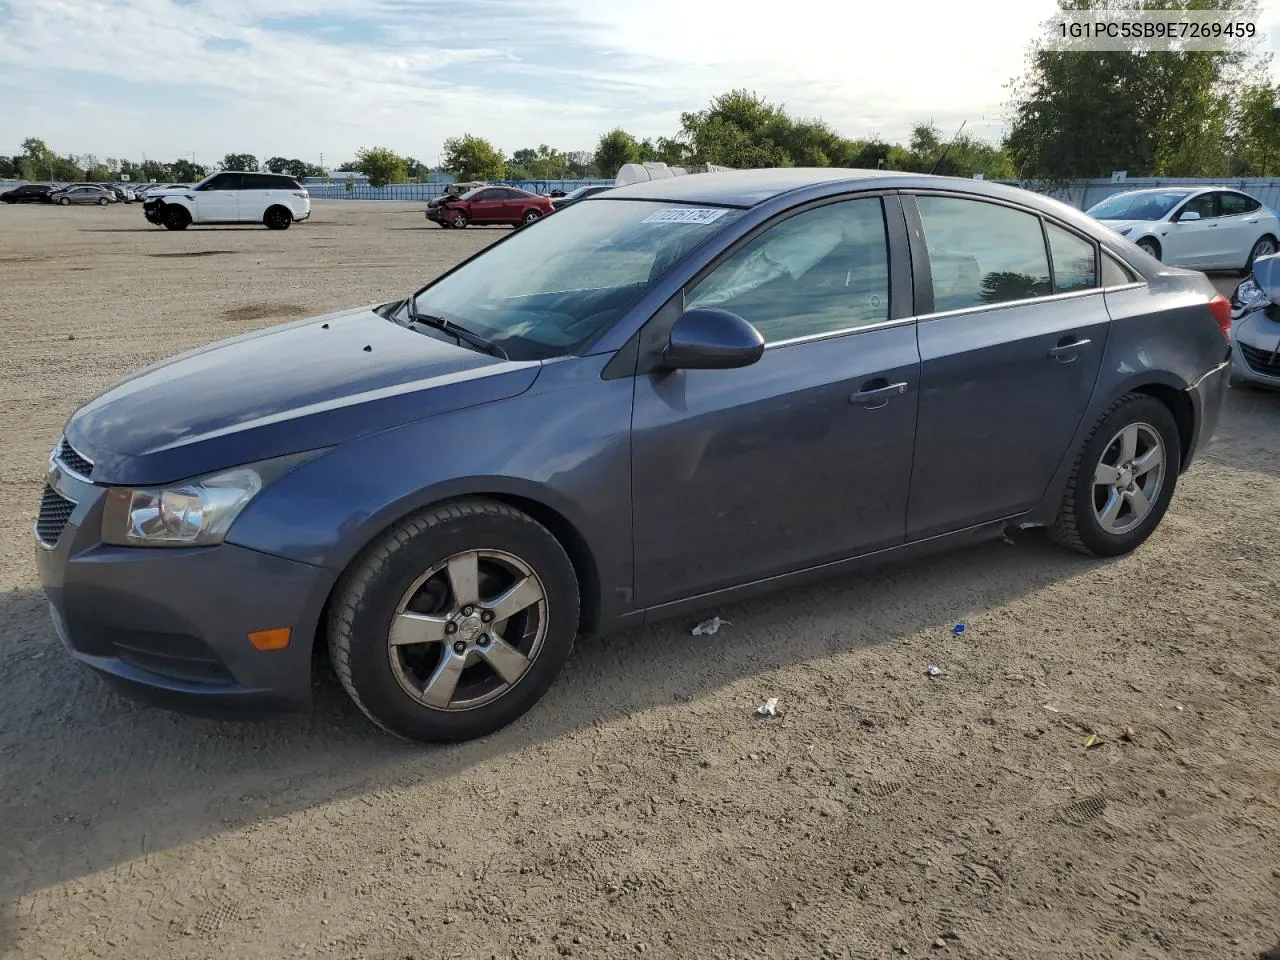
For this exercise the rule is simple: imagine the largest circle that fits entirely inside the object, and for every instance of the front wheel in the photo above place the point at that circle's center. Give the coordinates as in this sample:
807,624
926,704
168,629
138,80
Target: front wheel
459,220
103,201
1149,246
176,218
64,201
455,622
1123,479
530,216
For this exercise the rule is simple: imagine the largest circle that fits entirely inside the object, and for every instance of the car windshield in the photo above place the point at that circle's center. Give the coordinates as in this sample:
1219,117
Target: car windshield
550,287
1138,206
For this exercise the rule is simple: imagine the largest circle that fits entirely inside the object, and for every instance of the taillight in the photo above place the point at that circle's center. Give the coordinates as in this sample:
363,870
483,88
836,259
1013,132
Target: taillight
1220,307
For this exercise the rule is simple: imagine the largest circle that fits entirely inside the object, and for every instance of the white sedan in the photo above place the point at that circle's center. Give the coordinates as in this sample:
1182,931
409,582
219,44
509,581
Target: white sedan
1206,228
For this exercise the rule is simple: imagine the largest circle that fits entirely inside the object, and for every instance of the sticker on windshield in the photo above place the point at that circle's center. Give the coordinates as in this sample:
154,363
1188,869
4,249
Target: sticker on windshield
696,215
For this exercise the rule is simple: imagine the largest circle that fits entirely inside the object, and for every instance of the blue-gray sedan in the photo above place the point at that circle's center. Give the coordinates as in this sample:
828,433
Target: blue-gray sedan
662,399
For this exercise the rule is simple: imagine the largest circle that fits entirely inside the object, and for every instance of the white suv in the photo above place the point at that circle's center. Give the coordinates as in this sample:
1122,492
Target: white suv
271,199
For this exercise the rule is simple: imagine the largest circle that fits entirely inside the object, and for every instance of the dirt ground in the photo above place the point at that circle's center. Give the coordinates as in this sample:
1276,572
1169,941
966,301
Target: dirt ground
643,807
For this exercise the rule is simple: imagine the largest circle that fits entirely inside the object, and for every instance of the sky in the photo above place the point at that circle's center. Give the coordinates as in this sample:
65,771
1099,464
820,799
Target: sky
318,79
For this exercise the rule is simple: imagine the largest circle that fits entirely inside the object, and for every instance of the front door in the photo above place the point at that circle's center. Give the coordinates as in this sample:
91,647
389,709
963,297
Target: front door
217,201
1009,358
487,206
802,457
1195,243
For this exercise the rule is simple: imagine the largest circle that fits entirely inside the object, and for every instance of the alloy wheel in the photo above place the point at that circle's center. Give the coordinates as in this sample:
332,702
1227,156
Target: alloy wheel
468,630
1128,478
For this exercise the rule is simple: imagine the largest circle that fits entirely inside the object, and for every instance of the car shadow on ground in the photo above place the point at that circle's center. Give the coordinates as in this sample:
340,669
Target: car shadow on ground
94,780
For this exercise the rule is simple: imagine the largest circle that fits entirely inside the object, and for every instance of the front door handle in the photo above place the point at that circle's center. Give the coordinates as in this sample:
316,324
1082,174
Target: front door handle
876,393
1068,350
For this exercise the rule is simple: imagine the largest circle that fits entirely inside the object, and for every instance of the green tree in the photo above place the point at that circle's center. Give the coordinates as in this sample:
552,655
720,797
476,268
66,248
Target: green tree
617,147
581,164
276,164
38,162
184,171
240,161
547,163
473,158
9,169
1151,112
1257,133
381,165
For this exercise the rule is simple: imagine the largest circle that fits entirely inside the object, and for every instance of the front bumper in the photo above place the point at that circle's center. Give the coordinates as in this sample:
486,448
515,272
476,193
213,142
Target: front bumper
1255,354
171,625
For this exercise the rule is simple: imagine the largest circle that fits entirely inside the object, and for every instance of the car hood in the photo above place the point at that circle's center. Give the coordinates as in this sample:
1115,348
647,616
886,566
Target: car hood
298,386
1119,226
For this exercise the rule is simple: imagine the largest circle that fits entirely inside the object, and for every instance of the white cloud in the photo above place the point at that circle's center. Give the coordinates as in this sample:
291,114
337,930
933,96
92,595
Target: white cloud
558,71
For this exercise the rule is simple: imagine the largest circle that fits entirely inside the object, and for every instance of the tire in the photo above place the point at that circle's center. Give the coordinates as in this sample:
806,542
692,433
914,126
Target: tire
1149,246
530,216
391,575
1080,523
459,220
277,218
64,201
103,201
1265,247
175,218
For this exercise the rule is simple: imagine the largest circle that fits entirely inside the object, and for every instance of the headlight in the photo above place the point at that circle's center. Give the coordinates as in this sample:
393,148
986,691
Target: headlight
192,513
1248,296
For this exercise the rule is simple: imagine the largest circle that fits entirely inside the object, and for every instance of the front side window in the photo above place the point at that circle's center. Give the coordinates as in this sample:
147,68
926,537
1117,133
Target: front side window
820,271
223,181
982,253
546,290
1206,205
1075,260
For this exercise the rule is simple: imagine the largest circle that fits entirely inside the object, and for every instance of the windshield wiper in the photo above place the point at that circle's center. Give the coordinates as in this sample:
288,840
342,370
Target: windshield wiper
454,330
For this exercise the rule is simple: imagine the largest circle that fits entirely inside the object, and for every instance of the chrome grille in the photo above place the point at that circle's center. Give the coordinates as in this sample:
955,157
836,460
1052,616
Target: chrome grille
55,511
73,461
1265,362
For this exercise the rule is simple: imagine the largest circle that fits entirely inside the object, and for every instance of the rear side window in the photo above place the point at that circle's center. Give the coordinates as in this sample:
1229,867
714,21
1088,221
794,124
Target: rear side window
1114,273
1075,260
982,253
1234,204
259,181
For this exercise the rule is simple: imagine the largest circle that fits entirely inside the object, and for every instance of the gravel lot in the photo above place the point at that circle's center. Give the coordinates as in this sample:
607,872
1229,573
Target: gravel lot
643,808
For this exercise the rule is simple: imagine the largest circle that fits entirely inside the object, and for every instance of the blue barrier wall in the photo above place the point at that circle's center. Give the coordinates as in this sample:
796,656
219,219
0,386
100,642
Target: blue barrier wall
429,191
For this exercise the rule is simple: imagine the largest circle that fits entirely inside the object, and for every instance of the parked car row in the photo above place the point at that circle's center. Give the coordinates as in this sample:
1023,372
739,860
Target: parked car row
81,192
484,204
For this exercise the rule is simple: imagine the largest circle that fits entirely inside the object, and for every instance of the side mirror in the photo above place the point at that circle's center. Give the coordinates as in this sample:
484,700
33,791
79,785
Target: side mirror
1187,216
712,339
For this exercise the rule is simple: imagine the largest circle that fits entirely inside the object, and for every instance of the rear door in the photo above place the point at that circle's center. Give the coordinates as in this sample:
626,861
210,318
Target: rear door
257,192
513,205
1240,229
1011,342
217,201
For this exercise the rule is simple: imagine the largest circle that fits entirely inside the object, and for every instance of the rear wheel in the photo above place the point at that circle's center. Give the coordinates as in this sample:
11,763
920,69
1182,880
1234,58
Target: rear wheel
175,217
277,218
1265,247
1123,479
456,622
1149,246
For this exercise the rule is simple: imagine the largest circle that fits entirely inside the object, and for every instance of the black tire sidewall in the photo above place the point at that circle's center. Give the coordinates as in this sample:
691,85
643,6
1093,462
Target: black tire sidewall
176,218
1137,409
1150,247
379,595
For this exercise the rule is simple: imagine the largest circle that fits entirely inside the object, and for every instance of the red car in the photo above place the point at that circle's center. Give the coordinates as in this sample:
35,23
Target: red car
490,205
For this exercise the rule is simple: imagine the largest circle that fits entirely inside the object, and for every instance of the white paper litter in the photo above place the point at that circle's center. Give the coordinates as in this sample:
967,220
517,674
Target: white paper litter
707,627
769,708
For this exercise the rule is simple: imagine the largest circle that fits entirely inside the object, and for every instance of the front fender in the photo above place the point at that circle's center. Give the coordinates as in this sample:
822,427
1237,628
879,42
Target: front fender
564,444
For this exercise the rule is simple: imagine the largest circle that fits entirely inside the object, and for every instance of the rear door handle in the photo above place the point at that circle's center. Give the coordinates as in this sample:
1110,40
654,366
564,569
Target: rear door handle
876,393
1069,349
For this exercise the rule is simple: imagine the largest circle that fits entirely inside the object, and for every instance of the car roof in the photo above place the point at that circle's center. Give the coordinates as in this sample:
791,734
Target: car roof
745,188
